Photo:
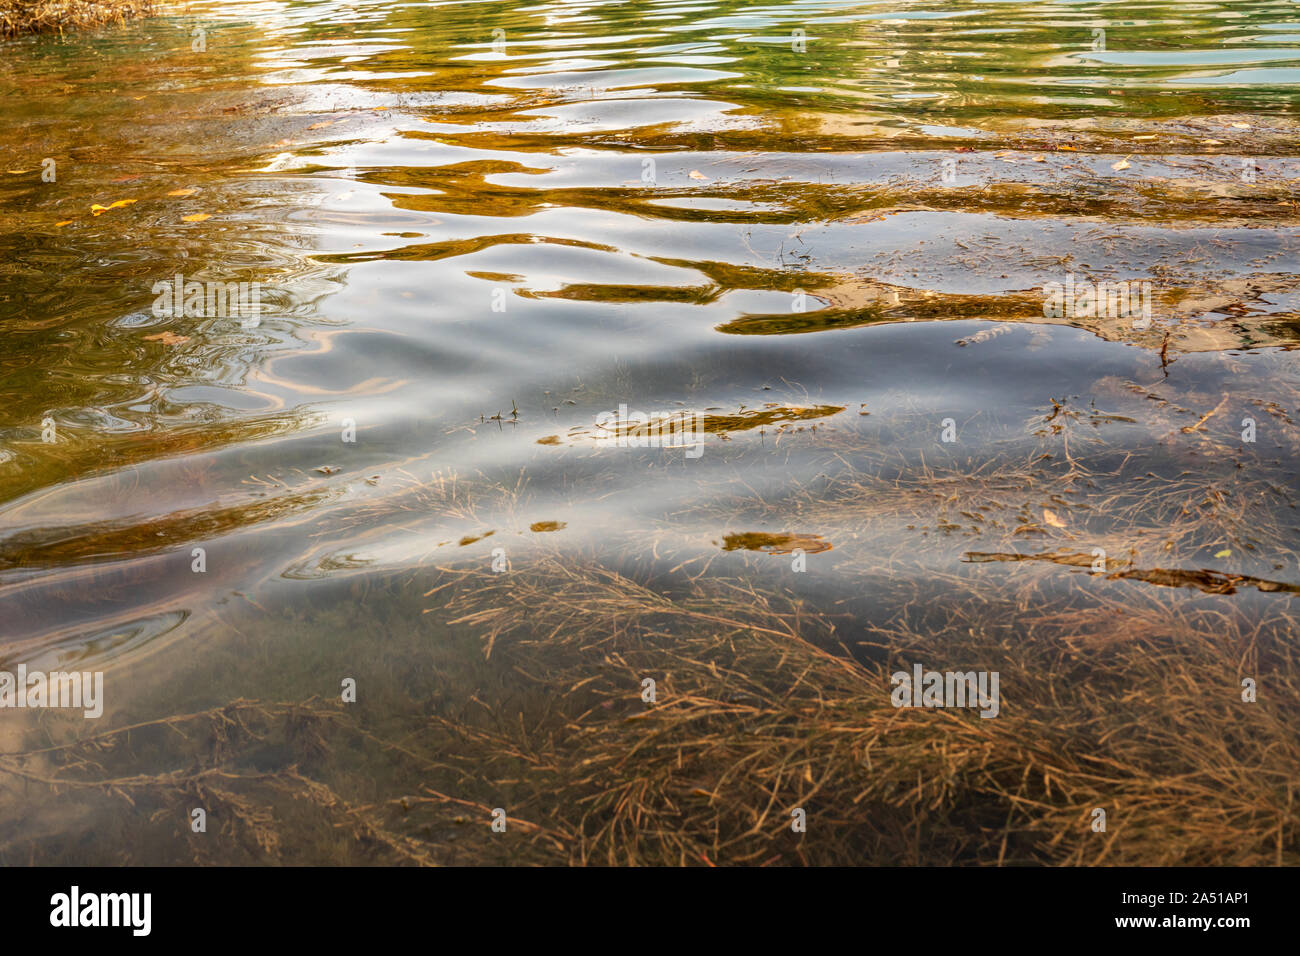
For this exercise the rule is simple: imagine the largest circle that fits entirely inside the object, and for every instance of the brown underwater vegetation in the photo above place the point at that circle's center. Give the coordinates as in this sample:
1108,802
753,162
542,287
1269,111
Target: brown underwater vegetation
1121,675
30,16
1126,699
1139,715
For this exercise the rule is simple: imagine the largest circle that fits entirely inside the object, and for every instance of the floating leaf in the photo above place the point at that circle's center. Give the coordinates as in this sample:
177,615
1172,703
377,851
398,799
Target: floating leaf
1212,142
64,223
327,469
696,174
1225,553
98,209
1051,518
1241,126
182,192
167,338
1040,159
197,217
321,125
1122,164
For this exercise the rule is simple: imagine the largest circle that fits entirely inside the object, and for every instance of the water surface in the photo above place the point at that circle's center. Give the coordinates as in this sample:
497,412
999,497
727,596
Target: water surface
822,228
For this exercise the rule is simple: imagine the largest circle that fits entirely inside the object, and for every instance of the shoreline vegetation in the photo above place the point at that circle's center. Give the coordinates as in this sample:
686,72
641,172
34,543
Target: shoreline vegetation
35,16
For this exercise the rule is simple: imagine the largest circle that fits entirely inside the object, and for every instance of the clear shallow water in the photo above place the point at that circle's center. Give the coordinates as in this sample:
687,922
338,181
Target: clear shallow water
468,254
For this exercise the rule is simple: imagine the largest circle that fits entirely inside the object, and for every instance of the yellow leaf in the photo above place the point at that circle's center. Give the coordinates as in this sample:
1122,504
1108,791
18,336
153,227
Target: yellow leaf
64,223
320,125
1051,518
1212,142
167,338
1122,164
1069,149
197,217
182,192
1241,126
696,174
1040,159
97,209
1225,553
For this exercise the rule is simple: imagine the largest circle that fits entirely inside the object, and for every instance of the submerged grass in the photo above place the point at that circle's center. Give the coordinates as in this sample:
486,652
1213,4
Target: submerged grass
755,716
763,705
31,16
1121,688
